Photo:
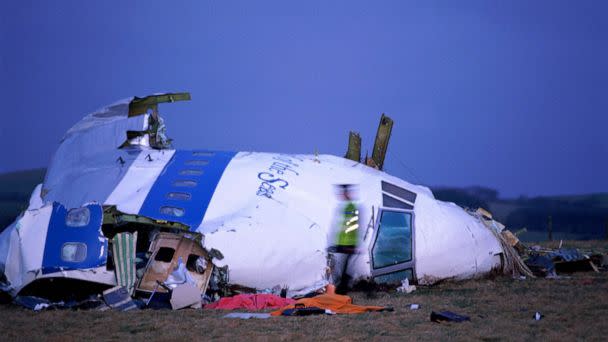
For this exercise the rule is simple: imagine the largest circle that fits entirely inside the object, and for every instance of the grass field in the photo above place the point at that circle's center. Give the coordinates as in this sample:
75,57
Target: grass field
574,307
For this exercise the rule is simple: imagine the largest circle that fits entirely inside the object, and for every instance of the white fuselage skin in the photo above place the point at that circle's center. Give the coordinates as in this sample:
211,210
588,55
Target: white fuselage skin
272,216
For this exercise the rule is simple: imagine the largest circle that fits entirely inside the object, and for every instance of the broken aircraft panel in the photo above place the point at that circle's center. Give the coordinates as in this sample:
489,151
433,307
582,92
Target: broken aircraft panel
270,215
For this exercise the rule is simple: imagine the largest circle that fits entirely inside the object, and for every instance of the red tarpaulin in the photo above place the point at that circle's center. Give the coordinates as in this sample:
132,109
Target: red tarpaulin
251,302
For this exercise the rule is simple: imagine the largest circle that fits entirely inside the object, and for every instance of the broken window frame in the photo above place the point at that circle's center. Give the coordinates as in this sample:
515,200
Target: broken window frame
156,128
163,256
183,245
115,221
402,266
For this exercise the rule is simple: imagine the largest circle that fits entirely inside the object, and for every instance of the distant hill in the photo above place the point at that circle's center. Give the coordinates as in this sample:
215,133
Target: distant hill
577,216
15,191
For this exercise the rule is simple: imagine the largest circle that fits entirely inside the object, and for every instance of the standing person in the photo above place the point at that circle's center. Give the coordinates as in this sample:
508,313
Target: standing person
346,239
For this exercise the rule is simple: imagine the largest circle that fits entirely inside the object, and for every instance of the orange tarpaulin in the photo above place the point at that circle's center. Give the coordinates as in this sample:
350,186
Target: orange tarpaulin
334,302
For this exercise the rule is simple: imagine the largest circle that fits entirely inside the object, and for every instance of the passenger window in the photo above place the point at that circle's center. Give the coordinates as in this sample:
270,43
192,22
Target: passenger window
202,154
172,211
73,252
78,217
164,254
180,196
393,243
185,183
191,172
197,162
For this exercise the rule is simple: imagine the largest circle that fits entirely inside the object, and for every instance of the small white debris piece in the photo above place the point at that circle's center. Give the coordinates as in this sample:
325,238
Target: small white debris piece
414,307
247,315
185,295
41,306
406,287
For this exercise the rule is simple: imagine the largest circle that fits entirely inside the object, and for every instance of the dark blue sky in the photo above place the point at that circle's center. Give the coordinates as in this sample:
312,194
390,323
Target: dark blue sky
512,95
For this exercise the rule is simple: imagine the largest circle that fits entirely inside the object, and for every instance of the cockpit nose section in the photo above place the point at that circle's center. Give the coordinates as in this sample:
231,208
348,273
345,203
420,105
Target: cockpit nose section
74,239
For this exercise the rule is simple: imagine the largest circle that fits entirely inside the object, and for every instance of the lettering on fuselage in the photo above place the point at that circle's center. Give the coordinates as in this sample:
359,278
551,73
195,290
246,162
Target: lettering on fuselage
282,167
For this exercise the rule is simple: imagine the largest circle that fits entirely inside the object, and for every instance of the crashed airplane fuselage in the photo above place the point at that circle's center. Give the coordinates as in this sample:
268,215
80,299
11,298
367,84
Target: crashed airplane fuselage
270,216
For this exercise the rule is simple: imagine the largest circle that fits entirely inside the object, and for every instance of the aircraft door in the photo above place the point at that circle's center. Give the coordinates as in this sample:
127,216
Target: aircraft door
392,248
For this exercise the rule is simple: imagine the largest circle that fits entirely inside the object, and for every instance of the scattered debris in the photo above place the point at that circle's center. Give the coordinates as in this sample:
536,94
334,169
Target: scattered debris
414,306
546,262
406,287
383,136
167,254
185,295
247,315
301,310
511,257
123,252
354,147
540,265
538,316
36,303
118,298
448,316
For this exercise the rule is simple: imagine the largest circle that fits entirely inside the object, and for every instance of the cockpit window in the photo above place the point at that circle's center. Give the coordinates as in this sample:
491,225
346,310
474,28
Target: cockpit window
399,192
393,243
392,202
395,278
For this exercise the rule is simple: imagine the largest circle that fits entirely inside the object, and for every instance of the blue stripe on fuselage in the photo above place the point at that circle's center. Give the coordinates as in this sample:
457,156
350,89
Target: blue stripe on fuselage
59,233
194,191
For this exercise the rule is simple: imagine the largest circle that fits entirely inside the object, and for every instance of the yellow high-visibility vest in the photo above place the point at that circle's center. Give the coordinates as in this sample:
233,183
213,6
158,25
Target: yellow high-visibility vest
349,227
